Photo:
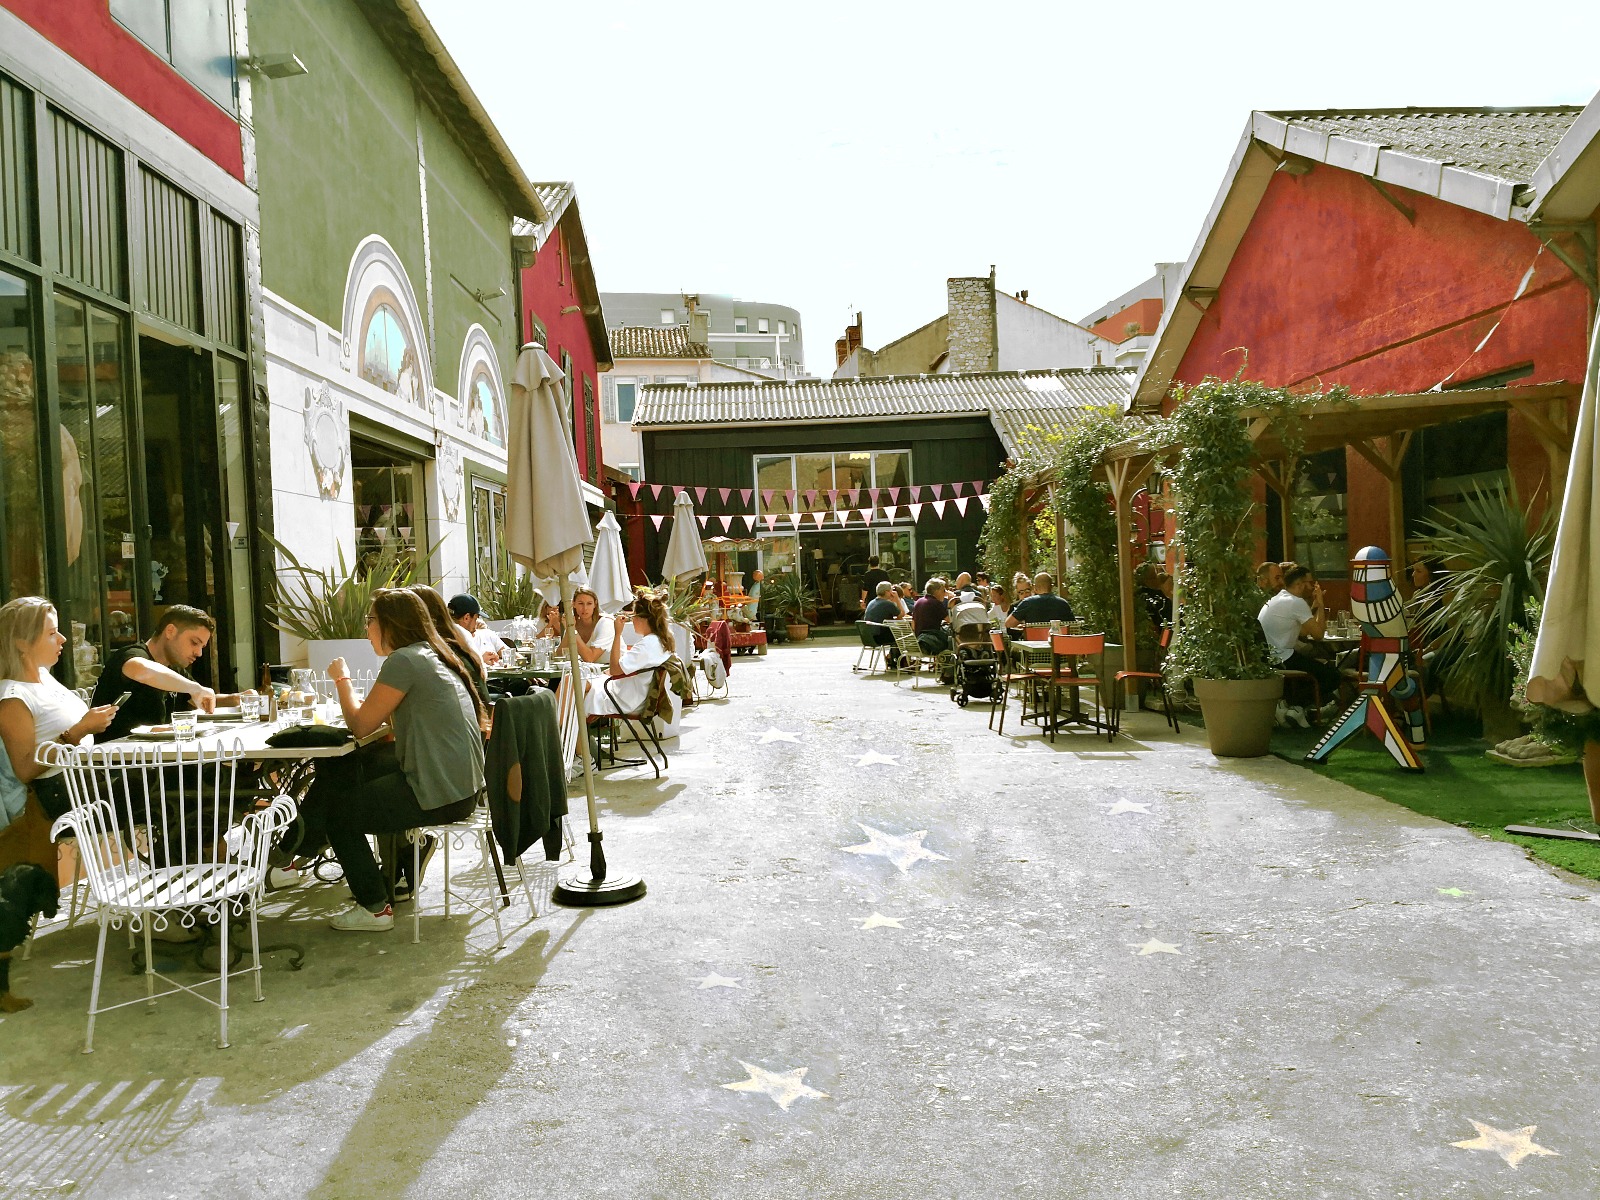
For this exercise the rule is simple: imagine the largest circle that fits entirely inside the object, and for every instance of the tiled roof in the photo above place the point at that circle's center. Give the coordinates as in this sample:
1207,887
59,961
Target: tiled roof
1024,406
655,341
1507,143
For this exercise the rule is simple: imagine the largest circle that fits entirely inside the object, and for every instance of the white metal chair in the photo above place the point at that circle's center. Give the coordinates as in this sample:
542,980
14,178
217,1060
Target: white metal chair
460,834
160,843
911,653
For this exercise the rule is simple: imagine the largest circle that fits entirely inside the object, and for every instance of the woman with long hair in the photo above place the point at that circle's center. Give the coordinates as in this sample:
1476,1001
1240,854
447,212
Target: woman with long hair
455,638
596,637
652,623
430,699
36,708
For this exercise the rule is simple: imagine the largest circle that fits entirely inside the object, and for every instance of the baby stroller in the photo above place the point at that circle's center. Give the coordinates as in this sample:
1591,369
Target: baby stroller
975,661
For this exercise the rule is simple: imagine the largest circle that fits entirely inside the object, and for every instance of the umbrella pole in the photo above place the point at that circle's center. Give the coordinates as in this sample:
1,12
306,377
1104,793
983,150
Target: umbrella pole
597,887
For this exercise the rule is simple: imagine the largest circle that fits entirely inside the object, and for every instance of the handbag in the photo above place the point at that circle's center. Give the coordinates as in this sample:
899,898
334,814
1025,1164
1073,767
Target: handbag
307,737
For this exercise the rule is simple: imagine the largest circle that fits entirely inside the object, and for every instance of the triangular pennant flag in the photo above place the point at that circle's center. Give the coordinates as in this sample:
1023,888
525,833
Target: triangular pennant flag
916,511
891,513
658,518
938,508
772,521
788,499
843,514
935,490
727,524
914,493
955,489
794,520
961,503
655,490
749,523
702,519
816,518
865,514
977,487
699,495
872,494
766,497
811,497
633,490
984,500
724,492
744,496
852,497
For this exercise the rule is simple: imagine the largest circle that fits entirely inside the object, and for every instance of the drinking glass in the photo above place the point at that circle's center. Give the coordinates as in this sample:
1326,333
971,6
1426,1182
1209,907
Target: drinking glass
250,707
183,725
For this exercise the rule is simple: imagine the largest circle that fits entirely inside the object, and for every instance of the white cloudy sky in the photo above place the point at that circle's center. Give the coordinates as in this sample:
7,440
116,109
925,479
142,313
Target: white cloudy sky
842,156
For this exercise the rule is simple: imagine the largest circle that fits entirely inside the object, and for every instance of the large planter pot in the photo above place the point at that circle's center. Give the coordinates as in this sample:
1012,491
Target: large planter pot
1113,664
1238,714
357,653
797,633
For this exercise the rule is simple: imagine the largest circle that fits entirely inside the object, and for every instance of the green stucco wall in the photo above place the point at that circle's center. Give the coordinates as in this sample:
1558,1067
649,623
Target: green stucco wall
337,157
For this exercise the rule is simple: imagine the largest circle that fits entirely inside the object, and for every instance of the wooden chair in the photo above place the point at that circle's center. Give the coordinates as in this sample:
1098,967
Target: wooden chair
1119,694
1303,677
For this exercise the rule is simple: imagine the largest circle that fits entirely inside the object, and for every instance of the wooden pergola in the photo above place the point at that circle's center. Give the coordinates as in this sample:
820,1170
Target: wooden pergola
1379,428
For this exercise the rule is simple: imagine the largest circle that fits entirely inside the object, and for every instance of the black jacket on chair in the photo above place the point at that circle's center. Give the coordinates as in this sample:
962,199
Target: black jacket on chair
526,775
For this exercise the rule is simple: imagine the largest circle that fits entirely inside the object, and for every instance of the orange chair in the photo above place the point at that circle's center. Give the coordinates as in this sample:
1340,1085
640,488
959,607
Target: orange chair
1066,649
1119,694
1005,678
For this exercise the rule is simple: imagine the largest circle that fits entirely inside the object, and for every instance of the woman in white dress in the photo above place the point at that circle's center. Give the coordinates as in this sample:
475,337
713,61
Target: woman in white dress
654,647
596,635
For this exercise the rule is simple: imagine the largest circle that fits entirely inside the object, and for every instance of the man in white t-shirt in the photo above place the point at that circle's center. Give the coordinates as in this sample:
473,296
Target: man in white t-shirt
1293,613
489,645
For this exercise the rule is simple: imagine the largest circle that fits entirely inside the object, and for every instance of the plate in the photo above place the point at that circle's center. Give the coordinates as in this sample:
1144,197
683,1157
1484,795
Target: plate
221,714
153,733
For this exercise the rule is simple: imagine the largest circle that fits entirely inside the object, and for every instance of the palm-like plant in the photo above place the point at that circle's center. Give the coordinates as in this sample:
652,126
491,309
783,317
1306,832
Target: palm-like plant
331,603
1499,560
789,597
507,593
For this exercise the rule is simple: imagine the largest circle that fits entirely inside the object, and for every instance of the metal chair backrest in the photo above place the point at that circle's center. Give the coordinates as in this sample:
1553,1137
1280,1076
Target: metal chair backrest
905,641
998,641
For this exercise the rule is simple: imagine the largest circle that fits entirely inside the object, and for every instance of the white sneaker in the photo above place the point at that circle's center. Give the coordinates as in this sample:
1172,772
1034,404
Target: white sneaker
279,878
1280,715
1298,716
358,919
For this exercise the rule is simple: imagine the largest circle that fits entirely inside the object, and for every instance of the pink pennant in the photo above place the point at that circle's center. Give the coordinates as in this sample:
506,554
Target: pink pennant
916,511
955,489
633,490
788,498
984,500
766,497
658,518
938,508
872,494
852,497
724,493
700,495
703,521
772,521
744,496
655,490
935,490
811,497
977,487
865,514
961,503
833,497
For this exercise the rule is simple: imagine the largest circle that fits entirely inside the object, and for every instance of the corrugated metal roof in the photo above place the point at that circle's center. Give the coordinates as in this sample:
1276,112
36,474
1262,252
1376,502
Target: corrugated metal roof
1024,406
655,341
1508,143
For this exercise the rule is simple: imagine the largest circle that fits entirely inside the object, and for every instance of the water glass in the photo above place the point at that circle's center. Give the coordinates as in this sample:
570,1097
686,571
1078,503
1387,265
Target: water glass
183,725
250,707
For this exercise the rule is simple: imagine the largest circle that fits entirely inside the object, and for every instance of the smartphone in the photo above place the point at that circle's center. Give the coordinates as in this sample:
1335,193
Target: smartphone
123,699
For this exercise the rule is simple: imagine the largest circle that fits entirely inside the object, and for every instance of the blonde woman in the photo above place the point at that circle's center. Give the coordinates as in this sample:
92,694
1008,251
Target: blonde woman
1021,587
35,707
654,647
596,637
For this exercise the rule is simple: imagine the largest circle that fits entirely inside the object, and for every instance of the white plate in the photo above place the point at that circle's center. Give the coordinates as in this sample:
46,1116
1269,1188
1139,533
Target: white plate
221,714
153,733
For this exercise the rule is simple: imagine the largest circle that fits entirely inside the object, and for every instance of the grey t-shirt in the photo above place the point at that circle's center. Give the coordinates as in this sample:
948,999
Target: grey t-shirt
436,735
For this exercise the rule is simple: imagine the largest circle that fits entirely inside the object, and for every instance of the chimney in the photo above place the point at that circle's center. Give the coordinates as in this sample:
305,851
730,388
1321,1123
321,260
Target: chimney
849,343
699,322
972,341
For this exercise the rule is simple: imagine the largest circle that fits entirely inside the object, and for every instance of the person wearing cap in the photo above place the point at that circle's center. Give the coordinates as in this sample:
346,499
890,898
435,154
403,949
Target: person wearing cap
489,645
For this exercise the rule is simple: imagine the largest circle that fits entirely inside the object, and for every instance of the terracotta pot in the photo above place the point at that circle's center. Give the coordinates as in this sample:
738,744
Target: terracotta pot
798,633
1239,714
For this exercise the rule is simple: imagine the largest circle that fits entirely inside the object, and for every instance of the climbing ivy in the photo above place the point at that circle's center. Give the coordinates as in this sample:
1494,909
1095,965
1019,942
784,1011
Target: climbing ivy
1002,527
1085,504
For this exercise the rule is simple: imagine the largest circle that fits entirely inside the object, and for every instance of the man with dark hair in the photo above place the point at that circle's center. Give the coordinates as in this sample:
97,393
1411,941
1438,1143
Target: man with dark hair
1269,578
156,672
870,581
1041,607
1296,612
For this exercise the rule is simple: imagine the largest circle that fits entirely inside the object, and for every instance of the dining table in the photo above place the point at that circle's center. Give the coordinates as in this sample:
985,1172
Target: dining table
1039,652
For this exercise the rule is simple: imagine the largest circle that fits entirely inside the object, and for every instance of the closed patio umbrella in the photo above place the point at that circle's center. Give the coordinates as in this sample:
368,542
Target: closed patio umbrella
547,525
686,557
608,574
1565,672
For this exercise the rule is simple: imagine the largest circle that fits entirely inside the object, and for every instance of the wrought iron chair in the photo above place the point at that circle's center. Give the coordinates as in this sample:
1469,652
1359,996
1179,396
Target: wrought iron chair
640,722
911,652
461,834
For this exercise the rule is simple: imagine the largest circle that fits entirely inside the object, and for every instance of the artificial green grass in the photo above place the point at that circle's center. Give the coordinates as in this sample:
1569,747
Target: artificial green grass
1463,787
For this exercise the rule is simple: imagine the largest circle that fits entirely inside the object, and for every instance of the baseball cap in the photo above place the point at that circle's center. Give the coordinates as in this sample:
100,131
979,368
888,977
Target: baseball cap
465,605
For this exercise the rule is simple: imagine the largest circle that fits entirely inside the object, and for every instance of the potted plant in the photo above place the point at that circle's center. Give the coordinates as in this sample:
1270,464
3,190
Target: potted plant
791,599
1218,641
326,607
506,594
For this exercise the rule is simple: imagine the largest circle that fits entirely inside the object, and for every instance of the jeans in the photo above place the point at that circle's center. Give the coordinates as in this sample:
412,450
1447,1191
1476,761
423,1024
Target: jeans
934,641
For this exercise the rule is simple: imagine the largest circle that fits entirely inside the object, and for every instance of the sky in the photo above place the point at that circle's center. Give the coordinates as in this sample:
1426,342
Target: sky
850,157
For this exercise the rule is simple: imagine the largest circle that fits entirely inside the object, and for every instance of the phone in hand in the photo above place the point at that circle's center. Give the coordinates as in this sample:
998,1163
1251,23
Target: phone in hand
122,699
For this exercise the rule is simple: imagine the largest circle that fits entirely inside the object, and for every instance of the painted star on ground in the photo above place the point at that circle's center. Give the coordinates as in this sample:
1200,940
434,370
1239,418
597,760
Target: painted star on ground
872,757
1513,1147
783,1088
778,735
903,850
879,921
1453,891
715,981
1126,806
1154,947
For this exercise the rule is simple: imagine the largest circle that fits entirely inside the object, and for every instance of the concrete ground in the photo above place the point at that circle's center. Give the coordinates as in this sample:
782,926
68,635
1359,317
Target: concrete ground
931,961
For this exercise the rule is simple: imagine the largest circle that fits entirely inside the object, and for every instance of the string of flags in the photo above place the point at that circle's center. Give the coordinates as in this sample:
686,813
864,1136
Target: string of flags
824,518
811,498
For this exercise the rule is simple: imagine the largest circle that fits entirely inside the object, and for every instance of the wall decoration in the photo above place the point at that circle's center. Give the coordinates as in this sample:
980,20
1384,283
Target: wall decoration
450,477
326,441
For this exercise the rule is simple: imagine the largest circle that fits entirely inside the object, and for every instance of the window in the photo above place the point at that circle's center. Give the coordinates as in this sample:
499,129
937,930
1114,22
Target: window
387,489
669,317
591,432
761,325
740,325
839,471
627,398
387,359
632,470
484,411
195,36
783,328
21,531
489,557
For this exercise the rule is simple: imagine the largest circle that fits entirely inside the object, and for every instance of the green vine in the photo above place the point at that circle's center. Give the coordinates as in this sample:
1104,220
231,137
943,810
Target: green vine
1085,504
1002,527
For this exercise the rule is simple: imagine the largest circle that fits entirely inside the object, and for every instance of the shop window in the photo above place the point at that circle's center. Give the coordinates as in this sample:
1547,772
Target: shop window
1321,523
490,560
388,491
21,540
387,358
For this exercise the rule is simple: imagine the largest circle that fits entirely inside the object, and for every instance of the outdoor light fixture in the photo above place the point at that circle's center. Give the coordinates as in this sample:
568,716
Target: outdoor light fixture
274,66
484,297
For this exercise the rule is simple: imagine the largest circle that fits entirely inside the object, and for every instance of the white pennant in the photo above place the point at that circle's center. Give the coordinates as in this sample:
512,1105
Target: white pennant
984,500
843,514
658,518
865,514
749,524
961,504
938,508
916,511
891,512
794,520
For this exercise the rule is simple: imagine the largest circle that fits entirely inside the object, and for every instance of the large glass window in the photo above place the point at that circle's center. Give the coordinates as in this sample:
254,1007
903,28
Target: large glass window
485,410
388,500
195,36
841,472
231,420
813,472
774,473
21,540
490,559
387,359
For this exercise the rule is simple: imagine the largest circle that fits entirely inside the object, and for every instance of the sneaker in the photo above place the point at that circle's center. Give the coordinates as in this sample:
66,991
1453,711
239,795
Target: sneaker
406,887
1298,716
1280,715
282,877
358,919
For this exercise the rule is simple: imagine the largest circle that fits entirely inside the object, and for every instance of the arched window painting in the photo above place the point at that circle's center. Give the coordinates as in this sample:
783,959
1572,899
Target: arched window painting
485,415
387,358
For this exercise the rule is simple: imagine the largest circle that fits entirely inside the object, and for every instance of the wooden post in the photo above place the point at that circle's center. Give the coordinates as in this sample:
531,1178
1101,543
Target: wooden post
1121,475
1548,420
1061,546
1279,475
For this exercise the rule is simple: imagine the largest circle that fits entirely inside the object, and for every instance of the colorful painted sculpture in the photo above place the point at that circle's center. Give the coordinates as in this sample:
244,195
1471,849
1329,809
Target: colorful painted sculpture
1390,695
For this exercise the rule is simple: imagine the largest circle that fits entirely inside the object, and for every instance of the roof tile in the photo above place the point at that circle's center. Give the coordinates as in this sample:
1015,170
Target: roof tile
655,341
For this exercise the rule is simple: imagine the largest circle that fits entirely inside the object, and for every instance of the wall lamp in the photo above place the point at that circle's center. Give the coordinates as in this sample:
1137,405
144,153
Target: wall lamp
274,66
484,298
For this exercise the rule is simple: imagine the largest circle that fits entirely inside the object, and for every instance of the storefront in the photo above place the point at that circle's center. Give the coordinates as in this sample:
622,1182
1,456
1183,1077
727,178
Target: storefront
124,369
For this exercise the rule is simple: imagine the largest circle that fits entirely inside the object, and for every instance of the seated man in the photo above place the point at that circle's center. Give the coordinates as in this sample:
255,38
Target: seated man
489,645
928,617
885,606
966,591
1041,606
1269,578
1296,612
156,672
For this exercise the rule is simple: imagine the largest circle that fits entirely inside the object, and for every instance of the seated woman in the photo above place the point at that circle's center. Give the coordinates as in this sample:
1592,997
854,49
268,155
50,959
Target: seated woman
654,647
429,696
35,707
453,636
548,622
999,606
596,636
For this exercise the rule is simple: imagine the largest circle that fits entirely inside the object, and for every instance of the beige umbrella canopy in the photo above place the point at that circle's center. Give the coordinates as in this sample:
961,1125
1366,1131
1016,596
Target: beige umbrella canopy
1569,631
686,557
608,576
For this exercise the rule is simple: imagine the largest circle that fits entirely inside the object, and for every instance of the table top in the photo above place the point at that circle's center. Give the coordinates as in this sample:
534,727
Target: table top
251,737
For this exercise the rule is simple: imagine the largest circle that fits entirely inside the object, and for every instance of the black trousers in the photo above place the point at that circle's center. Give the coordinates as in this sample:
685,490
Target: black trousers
1325,673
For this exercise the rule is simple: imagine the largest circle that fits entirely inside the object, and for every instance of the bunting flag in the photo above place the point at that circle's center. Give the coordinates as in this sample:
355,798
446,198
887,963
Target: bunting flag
818,518
655,490
984,500
865,514
872,494
766,497
658,518
938,507
892,512
699,495
788,499
794,520
894,494
843,514
744,496
749,524
934,490
977,489
961,504
853,497
833,497
724,493
702,519
916,511
772,521
811,498
633,490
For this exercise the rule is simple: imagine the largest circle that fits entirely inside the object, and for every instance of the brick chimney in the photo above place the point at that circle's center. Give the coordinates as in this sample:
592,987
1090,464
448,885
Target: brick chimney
848,344
973,342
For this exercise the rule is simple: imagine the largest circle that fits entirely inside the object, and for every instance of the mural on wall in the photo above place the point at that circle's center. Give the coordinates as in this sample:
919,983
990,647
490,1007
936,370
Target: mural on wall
451,478
326,441
482,410
384,340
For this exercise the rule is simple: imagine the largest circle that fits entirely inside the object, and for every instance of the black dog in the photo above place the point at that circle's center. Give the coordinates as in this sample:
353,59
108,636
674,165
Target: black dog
25,889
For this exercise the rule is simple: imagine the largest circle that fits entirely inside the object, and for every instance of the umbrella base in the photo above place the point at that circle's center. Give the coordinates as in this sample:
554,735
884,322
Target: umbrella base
579,890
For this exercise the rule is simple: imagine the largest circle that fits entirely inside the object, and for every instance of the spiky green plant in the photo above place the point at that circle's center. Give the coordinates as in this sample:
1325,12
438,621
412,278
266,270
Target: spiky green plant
331,603
789,596
507,593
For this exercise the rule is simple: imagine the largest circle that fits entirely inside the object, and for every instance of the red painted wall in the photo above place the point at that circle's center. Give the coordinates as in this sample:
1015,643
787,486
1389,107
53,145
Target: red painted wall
1146,312
1331,284
547,288
86,30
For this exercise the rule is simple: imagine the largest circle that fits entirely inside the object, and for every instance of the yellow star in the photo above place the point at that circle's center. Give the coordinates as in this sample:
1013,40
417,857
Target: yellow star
1453,891
1513,1147
1154,947
879,921
783,1088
